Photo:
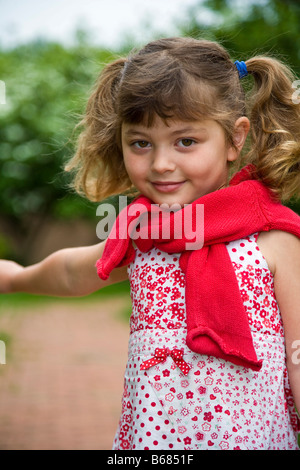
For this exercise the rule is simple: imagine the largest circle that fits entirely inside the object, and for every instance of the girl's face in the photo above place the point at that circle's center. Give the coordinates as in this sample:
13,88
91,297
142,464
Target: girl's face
177,162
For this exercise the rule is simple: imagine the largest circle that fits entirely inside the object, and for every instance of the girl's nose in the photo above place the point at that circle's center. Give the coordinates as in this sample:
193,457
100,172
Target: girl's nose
162,161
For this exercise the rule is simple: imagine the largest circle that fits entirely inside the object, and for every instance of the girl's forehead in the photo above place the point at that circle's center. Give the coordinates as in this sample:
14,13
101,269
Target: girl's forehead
170,126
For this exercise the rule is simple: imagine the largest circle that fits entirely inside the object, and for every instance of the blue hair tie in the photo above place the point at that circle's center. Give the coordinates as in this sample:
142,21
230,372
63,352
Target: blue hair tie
242,68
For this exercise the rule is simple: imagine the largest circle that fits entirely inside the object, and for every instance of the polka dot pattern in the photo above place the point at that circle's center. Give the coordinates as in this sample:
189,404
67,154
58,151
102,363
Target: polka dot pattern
247,252
216,405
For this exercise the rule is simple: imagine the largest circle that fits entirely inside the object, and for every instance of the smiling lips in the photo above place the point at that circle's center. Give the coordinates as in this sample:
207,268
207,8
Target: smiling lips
167,186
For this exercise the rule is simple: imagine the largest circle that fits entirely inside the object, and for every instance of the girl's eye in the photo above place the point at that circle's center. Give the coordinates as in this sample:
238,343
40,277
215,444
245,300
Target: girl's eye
186,142
141,144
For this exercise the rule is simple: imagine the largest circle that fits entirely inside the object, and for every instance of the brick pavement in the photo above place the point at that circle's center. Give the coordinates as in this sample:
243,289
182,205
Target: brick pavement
61,387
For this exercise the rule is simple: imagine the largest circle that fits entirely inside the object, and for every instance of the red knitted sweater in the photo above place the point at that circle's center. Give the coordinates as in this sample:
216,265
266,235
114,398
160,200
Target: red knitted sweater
217,323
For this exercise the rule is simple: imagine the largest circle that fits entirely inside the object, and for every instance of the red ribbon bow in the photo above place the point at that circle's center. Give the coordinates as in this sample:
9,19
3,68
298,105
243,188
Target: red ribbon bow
161,355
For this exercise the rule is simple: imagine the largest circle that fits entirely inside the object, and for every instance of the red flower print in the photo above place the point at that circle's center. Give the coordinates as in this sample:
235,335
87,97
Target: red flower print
185,412
199,436
159,270
208,417
182,429
218,408
263,313
128,418
244,295
150,296
176,294
187,441
258,325
258,291
201,390
171,410
201,364
125,444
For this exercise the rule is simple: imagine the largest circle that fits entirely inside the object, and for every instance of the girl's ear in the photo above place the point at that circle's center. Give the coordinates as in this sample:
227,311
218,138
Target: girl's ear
241,129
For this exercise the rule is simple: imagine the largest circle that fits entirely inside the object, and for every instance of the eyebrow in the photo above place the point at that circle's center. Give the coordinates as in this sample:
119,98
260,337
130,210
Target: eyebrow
188,130
184,130
132,132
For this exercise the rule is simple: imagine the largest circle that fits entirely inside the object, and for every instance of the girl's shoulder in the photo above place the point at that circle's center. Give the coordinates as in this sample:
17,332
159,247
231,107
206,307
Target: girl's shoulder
279,248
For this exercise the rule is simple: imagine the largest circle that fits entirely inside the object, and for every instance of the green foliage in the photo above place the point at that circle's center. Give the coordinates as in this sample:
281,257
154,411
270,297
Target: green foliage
250,27
46,91
6,249
47,87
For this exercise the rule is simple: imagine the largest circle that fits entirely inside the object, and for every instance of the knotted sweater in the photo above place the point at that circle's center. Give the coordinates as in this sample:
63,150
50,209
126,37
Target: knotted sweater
217,323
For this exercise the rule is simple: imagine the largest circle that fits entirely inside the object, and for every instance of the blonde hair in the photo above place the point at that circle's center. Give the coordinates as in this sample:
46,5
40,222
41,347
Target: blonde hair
275,126
188,79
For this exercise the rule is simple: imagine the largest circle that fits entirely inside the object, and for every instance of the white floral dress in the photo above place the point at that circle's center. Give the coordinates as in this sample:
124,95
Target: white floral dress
211,404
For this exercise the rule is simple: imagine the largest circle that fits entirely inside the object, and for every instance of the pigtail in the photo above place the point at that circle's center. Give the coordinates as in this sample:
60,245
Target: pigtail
275,126
98,165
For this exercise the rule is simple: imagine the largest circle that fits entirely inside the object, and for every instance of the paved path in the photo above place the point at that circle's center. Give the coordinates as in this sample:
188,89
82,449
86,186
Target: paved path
62,384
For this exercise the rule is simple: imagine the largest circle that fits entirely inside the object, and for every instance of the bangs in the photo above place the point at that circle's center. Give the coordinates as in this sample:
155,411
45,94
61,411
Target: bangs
180,97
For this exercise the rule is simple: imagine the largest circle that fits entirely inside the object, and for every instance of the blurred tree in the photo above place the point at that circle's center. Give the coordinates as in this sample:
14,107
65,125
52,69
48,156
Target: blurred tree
46,91
249,27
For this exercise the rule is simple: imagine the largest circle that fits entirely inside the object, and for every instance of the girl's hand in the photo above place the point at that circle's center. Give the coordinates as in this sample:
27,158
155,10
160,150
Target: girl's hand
8,271
70,272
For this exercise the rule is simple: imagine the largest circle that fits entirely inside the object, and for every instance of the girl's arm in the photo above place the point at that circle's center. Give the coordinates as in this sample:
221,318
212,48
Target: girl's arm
286,256
70,272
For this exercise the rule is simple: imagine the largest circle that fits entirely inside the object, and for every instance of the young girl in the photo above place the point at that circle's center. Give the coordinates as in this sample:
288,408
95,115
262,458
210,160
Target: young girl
213,361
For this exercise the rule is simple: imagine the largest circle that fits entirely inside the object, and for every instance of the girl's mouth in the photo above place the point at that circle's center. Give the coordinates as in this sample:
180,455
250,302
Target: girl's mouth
167,186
